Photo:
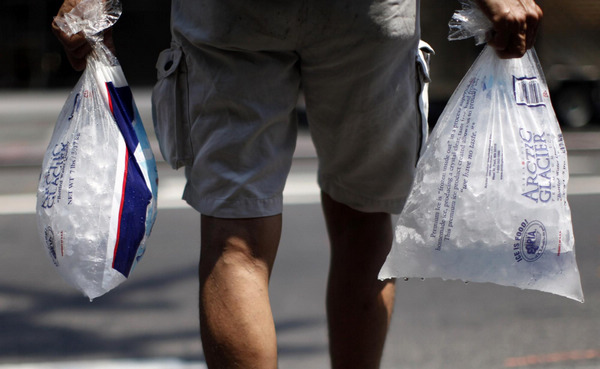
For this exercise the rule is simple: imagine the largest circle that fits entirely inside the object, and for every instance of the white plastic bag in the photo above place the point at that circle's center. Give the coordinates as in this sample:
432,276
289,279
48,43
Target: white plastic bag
96,200
489,200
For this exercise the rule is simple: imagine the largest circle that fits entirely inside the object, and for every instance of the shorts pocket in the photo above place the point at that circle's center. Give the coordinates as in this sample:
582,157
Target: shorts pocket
170,108
423,57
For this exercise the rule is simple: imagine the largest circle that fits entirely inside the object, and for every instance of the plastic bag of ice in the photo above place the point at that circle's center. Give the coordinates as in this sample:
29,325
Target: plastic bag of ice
489,199
96,199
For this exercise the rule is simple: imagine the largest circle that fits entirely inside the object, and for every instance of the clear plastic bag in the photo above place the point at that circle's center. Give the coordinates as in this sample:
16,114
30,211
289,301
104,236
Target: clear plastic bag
489,200
96,199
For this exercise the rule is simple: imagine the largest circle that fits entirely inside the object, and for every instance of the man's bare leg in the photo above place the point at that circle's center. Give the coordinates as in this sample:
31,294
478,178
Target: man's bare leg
359,306
236,323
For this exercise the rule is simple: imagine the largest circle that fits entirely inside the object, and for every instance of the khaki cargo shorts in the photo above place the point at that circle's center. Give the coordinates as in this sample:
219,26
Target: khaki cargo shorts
225,103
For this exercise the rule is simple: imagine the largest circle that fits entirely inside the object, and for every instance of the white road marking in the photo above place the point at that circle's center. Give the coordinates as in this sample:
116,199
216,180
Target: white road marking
17,204
110,364
583,185
301,188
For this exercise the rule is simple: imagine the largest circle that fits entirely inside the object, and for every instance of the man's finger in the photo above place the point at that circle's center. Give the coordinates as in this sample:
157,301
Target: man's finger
499,41
534,17
77,63
510,38
108,40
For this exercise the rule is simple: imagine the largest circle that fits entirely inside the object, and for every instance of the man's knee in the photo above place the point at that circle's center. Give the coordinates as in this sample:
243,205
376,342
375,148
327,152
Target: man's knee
239,245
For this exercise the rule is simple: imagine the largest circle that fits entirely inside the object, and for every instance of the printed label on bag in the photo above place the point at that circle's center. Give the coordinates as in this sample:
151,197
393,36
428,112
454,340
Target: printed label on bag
544,176
51,244
457,164
53,178
528,92
530,241
63,161
73,166
76,105
495,163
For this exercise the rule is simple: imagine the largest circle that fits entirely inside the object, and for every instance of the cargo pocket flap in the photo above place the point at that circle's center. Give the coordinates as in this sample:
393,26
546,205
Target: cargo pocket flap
170,108
423,59
168,62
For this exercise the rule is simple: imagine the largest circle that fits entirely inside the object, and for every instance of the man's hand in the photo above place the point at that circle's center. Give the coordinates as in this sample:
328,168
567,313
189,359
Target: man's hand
515,25
76,46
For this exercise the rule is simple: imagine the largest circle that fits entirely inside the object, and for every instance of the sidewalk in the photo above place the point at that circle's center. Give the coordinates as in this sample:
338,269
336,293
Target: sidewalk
27,119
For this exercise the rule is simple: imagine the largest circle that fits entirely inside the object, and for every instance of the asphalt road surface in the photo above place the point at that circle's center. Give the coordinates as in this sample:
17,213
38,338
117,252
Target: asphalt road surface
153,315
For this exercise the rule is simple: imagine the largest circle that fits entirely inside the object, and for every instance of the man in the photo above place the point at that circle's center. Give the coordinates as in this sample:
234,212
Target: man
224,109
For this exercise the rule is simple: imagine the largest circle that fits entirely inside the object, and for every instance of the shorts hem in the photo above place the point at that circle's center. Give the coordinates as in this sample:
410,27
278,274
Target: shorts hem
235,209
360,202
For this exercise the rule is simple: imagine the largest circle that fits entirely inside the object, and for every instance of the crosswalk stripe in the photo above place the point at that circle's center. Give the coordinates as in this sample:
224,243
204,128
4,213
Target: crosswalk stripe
301,188
110,364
